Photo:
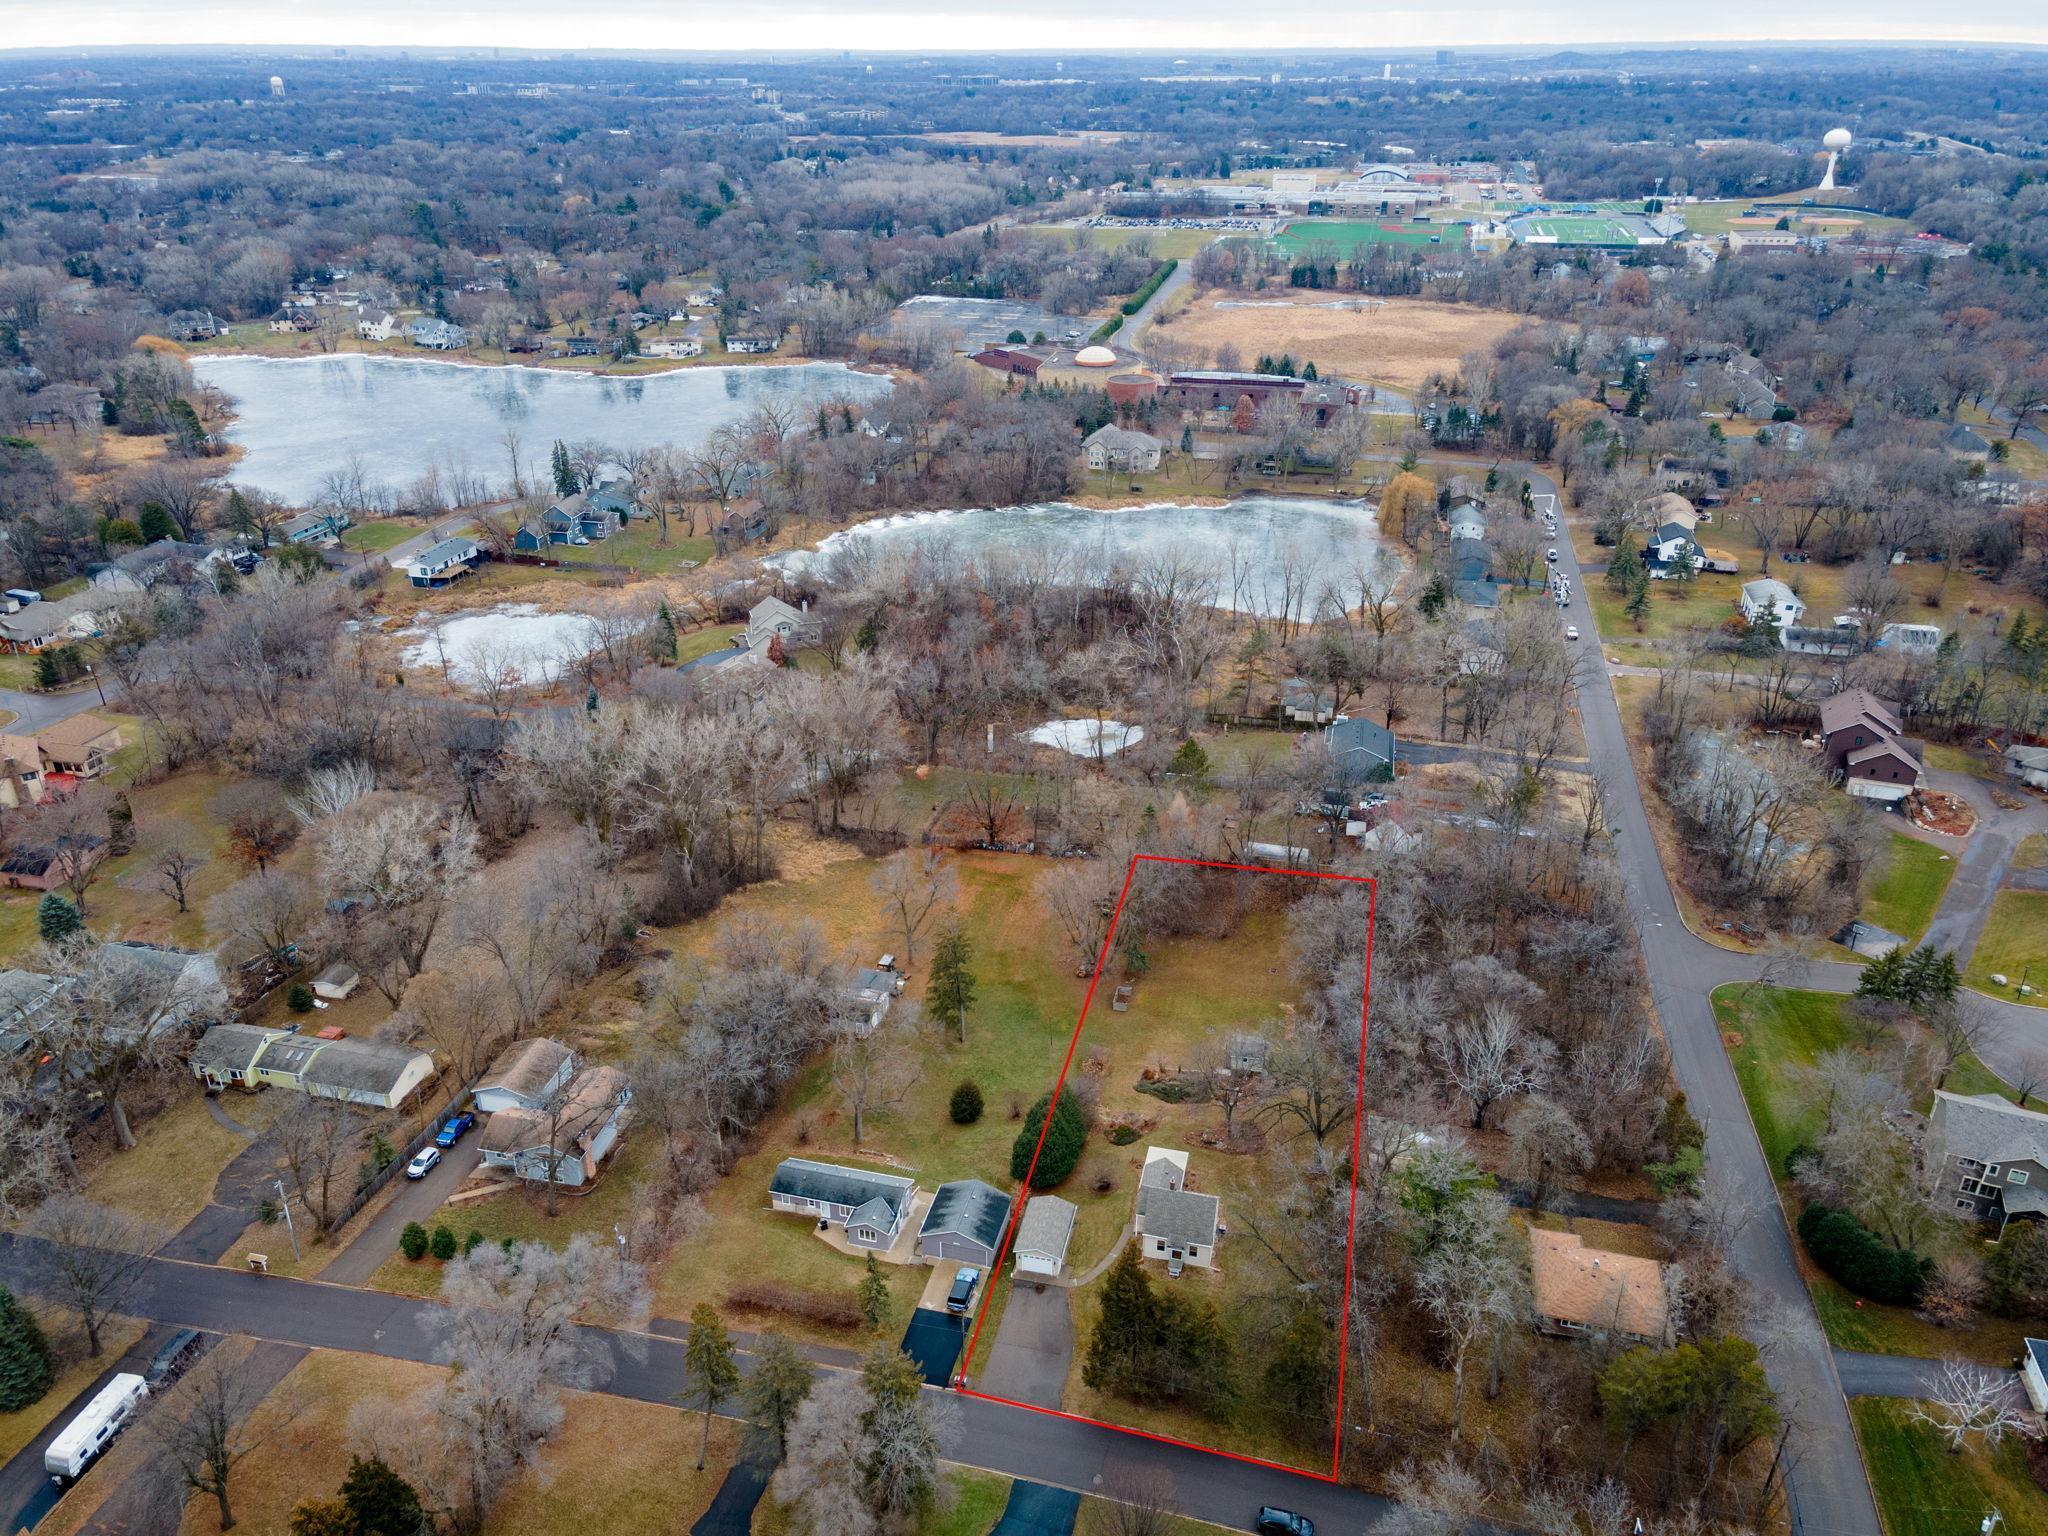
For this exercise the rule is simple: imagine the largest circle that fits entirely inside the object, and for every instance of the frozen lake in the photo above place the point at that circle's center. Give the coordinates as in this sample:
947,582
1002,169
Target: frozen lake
1270,555
394,420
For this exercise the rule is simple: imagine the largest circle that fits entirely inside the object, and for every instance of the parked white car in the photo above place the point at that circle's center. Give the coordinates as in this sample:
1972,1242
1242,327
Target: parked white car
423,1163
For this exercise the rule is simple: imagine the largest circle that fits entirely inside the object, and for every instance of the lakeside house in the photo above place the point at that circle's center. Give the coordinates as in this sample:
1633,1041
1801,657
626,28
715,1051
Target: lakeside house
1865,742
440,564
1125,452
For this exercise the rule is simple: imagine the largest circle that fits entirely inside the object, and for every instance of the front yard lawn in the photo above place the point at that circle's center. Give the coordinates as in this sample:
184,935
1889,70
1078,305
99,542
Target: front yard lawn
383,533
2014,944
1674,607
639,547
1924,1490
1903,894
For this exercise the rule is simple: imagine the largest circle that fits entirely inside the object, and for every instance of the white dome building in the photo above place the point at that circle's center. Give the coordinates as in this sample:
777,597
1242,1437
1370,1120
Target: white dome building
1097,356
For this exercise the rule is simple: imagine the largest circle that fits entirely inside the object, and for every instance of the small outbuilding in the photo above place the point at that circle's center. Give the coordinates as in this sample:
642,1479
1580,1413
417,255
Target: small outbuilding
965,1223
337,982
525,1076
1043,1232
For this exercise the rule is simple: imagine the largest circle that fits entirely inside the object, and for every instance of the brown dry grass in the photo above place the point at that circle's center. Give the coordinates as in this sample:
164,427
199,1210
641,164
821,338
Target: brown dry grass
1401,343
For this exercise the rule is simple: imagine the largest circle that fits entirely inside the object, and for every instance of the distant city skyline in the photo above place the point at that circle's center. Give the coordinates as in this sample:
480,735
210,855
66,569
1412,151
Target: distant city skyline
982,25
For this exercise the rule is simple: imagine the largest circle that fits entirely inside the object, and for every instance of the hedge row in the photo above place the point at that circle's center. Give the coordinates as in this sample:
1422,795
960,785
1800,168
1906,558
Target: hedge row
1108,328
787,1301
1860,1260
1137,300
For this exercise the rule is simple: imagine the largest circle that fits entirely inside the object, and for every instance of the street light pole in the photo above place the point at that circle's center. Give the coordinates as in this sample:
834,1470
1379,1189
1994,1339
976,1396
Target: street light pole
286,1201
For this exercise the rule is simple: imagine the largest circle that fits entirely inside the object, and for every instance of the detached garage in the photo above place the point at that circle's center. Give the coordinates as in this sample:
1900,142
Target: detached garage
1042,1236
965,1223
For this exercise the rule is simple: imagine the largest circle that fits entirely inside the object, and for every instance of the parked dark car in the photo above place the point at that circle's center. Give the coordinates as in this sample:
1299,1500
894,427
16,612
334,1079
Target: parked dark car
963,1289
1281,1522
179,1351
453,1131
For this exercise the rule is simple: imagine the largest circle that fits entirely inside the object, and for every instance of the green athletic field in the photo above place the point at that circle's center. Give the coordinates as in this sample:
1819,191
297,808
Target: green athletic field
1580,229
1347,234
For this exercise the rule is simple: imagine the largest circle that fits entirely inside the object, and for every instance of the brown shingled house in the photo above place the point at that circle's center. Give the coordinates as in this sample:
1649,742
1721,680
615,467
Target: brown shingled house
1866,744
1580,1291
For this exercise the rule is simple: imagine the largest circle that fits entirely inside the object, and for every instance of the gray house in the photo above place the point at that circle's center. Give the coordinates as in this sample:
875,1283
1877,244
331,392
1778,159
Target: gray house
525,1076
1175,1223
2029,765
566,1139
1361,752
965,1223
872,1207
1987,1158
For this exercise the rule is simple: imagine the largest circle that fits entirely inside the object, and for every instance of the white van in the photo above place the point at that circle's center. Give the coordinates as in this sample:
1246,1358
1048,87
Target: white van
80,1442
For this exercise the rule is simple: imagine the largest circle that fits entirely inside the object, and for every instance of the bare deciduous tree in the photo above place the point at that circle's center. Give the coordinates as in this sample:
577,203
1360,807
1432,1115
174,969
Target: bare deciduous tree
1965,1402
910,884
94,1257
211,1423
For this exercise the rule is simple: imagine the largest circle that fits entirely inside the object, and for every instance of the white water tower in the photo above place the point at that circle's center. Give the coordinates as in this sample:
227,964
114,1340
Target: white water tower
1836,142
277,85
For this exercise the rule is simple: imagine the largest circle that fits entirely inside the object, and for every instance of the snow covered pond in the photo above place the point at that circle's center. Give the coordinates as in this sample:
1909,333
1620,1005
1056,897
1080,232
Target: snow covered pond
1087,738
512,638
1271,555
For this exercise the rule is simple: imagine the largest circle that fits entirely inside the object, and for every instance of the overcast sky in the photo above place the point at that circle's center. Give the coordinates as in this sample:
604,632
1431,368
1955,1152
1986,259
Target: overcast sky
930,25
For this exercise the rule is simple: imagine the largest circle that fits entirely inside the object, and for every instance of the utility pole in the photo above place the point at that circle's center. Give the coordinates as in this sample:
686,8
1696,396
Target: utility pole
285,1201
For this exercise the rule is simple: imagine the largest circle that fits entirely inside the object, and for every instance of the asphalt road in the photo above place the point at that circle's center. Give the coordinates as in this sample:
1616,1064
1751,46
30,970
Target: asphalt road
39,711
1827,1486
1016,1442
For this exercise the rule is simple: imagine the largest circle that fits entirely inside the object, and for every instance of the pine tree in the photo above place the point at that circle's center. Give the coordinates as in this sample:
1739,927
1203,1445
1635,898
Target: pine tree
383,1503
48,674
56,918
565,474
1884,976
1301,1379
1624,566
1125,1328
664,634
951,990
774,1390
26,1369
156,523
874,1295
1638,605
712,1367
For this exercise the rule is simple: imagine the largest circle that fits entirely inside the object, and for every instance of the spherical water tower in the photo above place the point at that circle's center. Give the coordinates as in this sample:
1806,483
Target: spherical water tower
1835,142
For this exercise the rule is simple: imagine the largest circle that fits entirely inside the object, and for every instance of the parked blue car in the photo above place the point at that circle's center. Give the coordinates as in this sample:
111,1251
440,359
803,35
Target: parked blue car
451,1133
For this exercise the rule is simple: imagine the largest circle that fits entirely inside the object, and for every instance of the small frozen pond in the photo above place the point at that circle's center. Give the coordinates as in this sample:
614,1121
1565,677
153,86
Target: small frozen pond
1087,738
1276,556
516,637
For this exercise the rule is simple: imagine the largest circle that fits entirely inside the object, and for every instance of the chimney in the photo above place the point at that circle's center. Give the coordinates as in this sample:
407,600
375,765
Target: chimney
803,605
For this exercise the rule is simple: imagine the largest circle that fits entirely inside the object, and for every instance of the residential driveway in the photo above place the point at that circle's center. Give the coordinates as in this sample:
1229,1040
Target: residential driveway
1034,1347
732,1508
417,1200
241,1188
26,1492
39,711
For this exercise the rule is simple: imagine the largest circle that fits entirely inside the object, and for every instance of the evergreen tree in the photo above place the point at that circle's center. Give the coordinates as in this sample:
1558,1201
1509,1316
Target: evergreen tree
966,1105
1190,763
155,523
712,1367
664,642
1435,597
26,1369
1301,1379
773,1392
48,675
874,1295
382,1502
1638,605
56,918
1124,1328
1064,1139
1884,976
951,990
564,473
1624,566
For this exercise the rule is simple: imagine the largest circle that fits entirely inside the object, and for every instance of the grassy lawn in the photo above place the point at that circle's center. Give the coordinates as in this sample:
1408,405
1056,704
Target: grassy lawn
2014,944
167,1178
639,547
2021,456
384,533
23,1425
2032,852
969,1505
1903,895
615,1464
1674,607
1951,757
702,642
1923,1490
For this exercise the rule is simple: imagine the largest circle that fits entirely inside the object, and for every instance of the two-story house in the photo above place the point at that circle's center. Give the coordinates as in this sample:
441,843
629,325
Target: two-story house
1769,600
1987,1158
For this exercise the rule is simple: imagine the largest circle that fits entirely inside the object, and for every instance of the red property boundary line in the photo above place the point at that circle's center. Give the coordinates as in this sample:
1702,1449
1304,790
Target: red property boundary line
1351,1218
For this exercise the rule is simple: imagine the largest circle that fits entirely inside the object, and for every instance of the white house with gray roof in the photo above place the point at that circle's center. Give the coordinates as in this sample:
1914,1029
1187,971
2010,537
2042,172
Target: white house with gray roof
439,564
1043,1232
1986,1157
872,1207
1175,1223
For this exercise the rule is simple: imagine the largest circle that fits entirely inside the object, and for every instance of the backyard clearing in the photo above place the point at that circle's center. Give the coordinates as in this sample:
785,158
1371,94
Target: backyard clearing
1401,342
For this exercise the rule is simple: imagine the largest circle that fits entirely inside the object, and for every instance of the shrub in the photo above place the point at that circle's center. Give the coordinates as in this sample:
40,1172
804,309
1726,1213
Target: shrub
966,1104
412,1242
56,918
1065,1137
443,1244
1123,1135
1852,1254
774,1299
300,998
471,1243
